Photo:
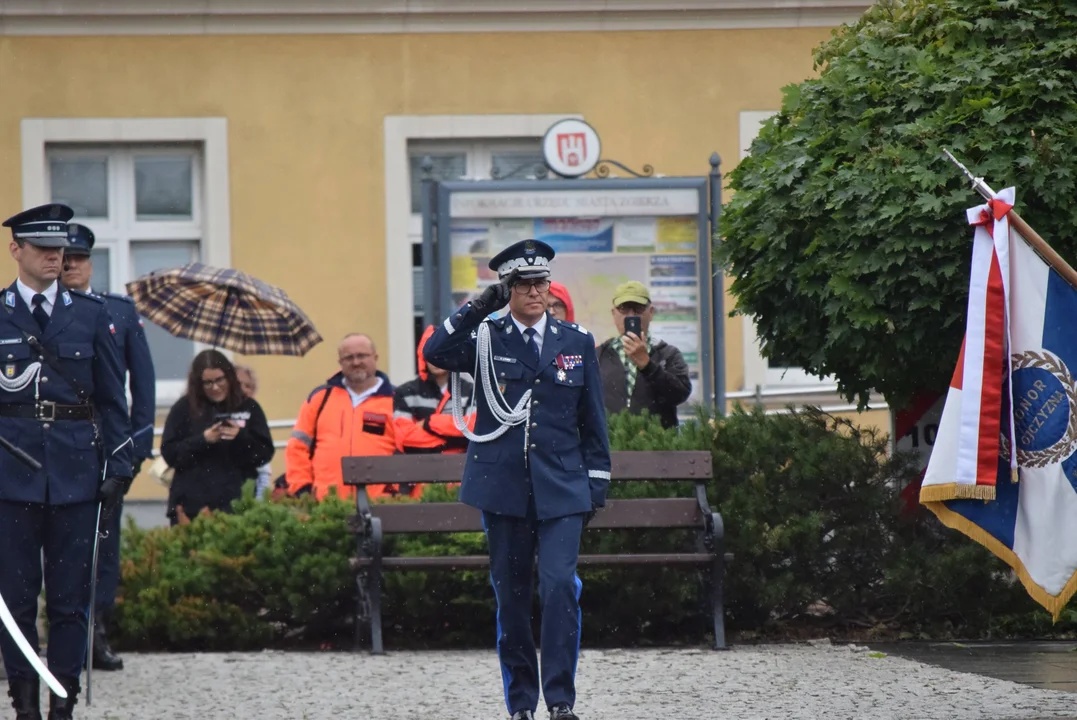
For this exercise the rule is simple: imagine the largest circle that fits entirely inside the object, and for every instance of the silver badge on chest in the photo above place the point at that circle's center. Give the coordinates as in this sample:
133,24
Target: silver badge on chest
561,375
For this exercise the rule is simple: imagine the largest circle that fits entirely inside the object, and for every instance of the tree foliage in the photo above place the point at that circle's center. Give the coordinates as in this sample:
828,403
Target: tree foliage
846,235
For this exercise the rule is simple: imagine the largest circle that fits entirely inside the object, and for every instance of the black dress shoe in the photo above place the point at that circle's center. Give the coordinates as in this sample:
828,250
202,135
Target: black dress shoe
25,697
523,715
562,712
62,708
103,657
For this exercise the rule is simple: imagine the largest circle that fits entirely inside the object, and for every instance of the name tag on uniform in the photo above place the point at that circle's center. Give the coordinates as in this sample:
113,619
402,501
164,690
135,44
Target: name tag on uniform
501,358
10,341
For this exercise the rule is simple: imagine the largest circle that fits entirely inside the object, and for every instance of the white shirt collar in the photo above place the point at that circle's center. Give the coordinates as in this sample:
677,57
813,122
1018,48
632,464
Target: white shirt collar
540,327
27,294
359,398
540,330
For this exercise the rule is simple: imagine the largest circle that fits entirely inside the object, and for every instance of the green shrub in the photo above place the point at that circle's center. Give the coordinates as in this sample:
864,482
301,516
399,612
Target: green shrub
811,511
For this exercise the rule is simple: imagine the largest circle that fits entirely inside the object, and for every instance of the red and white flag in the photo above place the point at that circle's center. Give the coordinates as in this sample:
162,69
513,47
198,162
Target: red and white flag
1009,479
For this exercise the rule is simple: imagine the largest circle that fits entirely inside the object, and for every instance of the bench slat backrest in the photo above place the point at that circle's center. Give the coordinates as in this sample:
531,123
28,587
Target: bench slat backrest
657,465
457,517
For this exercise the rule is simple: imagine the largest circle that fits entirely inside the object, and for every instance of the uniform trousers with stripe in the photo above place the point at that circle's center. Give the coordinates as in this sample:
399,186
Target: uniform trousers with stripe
513,542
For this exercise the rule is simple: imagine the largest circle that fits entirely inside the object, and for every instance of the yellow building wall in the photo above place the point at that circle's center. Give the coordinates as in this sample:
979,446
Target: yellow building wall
305,133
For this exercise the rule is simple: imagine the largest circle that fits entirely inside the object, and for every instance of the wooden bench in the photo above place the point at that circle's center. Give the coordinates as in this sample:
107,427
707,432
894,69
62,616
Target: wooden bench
373,521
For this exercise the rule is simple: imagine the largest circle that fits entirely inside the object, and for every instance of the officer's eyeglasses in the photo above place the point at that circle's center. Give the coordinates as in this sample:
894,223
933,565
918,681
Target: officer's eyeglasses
523,287
211,382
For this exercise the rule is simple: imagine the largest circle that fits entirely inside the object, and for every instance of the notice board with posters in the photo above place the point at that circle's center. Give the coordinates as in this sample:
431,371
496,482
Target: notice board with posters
604,232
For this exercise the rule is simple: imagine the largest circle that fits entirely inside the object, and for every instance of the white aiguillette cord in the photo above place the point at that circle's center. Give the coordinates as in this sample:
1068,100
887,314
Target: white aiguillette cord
495,399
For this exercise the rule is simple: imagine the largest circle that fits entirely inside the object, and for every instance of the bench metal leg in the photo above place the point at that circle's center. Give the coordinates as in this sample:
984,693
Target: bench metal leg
368,585
717,536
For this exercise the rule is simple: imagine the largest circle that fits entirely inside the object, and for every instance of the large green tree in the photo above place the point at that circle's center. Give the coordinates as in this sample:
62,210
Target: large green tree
846,234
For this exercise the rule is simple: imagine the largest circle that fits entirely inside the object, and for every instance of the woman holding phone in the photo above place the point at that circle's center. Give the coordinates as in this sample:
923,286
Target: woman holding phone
215,438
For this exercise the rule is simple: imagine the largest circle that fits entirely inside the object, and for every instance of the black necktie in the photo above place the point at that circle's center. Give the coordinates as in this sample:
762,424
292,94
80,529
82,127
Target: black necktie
39,313
530,333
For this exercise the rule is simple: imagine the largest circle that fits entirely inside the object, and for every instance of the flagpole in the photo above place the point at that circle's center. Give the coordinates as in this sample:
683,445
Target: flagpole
1032,237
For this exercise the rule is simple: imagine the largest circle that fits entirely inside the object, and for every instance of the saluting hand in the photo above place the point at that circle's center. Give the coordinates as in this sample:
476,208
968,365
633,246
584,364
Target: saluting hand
493,298
636,349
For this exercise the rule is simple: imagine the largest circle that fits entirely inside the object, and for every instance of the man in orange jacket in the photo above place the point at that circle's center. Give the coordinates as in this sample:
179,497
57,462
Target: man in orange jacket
351,415
422,413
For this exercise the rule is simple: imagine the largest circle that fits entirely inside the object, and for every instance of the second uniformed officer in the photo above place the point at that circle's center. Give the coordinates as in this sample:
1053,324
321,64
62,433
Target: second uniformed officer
538,465
138,368
62,401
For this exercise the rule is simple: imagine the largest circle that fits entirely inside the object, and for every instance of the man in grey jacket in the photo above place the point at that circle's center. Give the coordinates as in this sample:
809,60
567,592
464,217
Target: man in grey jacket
637,373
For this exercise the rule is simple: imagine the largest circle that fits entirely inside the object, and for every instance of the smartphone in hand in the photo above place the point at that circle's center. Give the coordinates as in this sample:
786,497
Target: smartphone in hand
634,324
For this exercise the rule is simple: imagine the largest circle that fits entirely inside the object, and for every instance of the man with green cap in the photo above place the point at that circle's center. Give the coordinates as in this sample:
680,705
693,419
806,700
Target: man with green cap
638,373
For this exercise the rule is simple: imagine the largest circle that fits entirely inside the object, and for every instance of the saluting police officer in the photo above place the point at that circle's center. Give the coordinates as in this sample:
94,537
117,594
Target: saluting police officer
541,479
62,401
138,368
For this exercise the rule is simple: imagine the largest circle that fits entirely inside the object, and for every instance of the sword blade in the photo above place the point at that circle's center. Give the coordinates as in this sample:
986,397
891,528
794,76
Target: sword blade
27,651
91,615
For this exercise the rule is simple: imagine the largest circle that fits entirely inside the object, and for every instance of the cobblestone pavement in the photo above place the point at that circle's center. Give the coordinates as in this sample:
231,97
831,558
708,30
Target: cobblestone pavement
765,682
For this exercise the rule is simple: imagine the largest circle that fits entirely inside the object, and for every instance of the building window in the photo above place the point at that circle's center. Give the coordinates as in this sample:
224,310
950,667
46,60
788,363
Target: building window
516,159
143,203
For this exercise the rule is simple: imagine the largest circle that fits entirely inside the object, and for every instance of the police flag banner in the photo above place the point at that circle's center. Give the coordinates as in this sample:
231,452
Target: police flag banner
1016,498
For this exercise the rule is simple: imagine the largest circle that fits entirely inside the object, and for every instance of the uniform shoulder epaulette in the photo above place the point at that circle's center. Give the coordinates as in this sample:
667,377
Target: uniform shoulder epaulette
118,296
574,326
88,296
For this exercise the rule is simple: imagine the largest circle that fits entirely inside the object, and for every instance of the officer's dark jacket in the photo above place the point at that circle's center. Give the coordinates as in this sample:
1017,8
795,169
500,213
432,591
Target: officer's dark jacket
81,338
136,359
567,460
660,386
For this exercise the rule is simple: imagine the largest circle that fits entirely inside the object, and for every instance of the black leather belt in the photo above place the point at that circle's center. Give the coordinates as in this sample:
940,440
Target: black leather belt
47,411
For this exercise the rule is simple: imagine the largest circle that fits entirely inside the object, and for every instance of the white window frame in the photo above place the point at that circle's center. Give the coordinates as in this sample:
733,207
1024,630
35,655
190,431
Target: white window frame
758,372
211,221
478,161
400,132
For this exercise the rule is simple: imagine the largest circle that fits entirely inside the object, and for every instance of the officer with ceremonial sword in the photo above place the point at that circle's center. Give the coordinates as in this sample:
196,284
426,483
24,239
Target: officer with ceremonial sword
538,465
62,399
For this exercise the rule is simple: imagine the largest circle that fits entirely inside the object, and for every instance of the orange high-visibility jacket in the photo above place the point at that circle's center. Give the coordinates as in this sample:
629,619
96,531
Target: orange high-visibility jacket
341,431
423,419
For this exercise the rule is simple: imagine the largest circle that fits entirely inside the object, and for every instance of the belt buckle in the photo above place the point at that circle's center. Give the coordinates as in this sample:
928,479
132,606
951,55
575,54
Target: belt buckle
44,416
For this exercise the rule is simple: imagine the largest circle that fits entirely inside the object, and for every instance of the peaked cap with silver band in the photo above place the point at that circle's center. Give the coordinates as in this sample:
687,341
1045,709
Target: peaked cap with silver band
44,226
529,259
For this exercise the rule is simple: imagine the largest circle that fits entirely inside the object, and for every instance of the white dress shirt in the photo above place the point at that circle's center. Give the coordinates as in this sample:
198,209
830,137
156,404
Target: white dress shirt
540,330
358,398
27,294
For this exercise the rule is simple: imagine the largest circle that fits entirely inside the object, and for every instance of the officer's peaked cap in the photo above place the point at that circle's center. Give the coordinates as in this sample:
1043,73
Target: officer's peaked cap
44,225
529,259
80,239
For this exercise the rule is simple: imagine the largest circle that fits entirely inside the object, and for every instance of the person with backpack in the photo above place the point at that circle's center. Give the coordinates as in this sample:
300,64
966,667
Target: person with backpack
350,415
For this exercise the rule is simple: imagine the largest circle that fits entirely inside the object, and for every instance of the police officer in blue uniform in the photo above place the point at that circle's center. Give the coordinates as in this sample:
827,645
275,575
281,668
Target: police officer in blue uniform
138,368
538,465
62,401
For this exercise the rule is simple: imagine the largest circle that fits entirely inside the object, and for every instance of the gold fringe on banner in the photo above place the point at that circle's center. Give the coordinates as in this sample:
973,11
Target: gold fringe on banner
956,491
1053,604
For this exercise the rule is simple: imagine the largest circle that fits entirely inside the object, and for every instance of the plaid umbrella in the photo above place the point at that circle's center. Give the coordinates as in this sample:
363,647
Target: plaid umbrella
224,308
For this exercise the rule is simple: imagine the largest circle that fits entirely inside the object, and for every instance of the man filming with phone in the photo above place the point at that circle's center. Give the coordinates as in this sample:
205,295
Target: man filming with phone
638,373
